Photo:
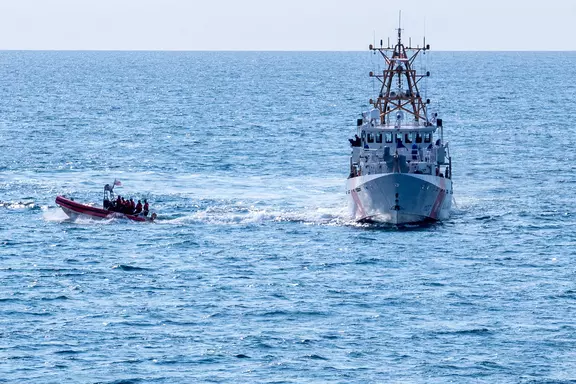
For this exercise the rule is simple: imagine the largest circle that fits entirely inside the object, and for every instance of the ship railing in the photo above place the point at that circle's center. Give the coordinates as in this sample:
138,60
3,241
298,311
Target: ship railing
431,155
437,154
421,168
449,168
374,168
382,167
371,161
391,123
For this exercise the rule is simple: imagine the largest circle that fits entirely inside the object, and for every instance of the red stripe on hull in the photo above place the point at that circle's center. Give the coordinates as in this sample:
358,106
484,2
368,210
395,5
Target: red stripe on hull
438,204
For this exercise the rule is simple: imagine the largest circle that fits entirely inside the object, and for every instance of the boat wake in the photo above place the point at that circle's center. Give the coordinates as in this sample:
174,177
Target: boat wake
57,215
237,213
54,215
314,216
230,213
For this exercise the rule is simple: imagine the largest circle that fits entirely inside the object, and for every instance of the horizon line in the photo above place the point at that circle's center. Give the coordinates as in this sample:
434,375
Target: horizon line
262,50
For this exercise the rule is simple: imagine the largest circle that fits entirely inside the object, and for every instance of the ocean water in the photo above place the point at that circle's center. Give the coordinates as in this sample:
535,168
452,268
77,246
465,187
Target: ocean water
253,273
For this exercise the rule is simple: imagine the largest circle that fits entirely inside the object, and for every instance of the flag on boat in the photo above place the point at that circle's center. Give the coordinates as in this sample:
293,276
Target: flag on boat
117,182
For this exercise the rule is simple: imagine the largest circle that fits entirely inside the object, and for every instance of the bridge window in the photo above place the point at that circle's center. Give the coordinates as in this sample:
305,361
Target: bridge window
398,137
379,137
427,137
363,134
418,138
409,137
370,137
388,137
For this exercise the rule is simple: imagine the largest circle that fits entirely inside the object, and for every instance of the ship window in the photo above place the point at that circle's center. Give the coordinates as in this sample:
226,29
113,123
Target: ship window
388,137
398,137
378,137
409,137
370,137
418,138
363,134
427,137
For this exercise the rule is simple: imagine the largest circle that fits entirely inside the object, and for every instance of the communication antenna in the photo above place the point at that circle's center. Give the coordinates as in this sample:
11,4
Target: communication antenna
424,35
399,25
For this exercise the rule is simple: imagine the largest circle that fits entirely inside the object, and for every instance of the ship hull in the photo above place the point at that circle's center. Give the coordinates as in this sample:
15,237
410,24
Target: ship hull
399,198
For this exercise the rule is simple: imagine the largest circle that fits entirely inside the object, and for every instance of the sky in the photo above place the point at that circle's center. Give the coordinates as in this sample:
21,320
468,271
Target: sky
285,25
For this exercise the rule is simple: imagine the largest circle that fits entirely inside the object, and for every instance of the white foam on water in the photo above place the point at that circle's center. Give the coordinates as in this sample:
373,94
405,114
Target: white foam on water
54,214
239,214
57,215
18,204
462,204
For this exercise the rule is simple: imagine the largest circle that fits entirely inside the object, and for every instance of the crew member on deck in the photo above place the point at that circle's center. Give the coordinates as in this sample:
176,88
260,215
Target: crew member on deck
125,206
138,207
356,141
132,206
146,207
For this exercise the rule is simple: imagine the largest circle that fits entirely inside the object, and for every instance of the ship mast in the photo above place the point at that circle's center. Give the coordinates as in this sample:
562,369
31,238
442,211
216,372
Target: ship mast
403,94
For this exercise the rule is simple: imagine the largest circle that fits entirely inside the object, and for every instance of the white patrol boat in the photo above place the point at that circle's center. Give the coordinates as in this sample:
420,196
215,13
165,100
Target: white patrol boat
400,167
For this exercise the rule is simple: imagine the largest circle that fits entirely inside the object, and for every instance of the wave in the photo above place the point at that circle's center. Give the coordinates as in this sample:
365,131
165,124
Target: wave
129,268
54,215
57,215
21,204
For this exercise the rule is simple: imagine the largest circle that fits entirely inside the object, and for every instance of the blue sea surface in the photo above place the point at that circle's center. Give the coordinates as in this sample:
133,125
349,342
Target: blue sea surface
253,272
